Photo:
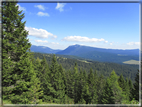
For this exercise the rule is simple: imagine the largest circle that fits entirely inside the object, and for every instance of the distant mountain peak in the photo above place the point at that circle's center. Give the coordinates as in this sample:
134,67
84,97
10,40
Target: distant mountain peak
76,45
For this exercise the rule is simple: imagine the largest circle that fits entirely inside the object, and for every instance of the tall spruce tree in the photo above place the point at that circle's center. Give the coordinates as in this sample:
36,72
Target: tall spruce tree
121,82
38,67
63,82
69,85
19,81
45,81
85,88
131,89
75,83
136,87
100,87
127,90
116,89
57,82
107,96
80,85
92,87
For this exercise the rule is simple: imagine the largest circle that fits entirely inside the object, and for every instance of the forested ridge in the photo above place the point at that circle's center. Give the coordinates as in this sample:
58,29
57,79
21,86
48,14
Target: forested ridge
128,71
26,80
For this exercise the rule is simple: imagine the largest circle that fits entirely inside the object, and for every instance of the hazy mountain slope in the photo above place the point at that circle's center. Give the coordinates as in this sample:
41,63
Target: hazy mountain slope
107,57
79,49
100,54
43,49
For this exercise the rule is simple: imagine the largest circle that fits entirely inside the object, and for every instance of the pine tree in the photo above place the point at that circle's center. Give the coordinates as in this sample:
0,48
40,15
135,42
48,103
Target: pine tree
19,81
100,87
69,85
57,82
38,67
63,79
131,89
27,89
107,95
121,82
116,89
85,89
127,90
75,83
125,87
86,93
45,81
81,85
92,87
136,87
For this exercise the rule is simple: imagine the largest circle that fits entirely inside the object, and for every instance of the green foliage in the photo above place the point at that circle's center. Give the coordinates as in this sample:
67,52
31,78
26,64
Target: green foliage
75,75
121,82
108,94
127,90
131,89
136,87
92,87
20,82
130,102
27,88
100,67
57,82
117,91
34,78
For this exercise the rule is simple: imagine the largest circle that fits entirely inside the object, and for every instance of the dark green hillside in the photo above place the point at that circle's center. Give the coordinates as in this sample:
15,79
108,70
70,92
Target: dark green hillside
128,71
107,57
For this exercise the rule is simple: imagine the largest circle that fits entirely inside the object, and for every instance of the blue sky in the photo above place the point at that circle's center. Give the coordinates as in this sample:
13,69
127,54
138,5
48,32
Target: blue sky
103,25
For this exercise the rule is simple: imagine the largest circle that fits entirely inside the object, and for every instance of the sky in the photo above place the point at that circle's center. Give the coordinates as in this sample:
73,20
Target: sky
102,25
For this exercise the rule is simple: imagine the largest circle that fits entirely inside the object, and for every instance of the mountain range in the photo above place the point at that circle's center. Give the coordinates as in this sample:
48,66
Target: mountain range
92,53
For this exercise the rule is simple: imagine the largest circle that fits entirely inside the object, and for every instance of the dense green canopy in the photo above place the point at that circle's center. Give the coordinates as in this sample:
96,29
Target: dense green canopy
29,80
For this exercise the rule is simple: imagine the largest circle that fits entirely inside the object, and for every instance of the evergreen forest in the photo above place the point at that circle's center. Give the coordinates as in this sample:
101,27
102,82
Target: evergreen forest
29,79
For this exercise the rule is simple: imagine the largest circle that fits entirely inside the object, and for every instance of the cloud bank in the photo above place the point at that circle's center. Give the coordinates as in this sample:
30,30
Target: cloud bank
60,6
45,43
39,33
41,41
133,43
83,39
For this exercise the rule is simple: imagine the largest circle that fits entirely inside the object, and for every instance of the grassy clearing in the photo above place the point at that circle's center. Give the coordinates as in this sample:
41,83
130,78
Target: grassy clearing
84,61
132,62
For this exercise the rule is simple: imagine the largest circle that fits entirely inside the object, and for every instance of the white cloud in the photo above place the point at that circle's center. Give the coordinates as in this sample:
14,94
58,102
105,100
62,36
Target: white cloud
82,39
40,33
41,7
106,41
42,14
46,43
133,43
41,41
60,6
54,43
110,43
21,8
